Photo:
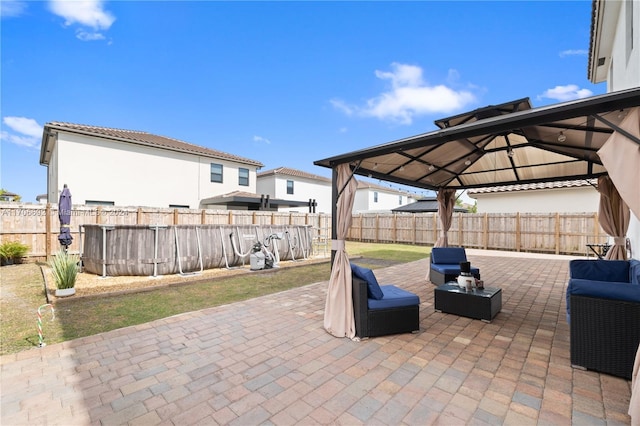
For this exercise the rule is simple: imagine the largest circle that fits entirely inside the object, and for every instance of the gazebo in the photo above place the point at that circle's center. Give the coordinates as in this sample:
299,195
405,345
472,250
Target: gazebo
504,144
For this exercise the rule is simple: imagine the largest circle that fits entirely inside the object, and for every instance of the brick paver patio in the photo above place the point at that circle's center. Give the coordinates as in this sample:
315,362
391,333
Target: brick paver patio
269,361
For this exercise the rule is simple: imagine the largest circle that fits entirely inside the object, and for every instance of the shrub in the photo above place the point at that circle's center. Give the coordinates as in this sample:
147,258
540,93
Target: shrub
13,251
65,270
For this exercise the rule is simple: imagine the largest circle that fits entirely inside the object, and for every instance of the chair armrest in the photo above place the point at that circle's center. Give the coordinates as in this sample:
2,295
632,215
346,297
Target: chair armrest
360,305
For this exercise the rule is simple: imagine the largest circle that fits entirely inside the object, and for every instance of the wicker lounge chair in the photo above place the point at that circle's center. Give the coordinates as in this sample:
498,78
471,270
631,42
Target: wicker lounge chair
396,312
445,264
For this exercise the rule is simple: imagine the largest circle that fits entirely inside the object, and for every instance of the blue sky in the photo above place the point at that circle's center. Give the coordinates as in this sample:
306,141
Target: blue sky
285,83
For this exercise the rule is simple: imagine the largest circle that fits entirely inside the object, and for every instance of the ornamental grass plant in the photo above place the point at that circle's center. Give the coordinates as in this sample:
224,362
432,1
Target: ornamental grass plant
12,252
65,270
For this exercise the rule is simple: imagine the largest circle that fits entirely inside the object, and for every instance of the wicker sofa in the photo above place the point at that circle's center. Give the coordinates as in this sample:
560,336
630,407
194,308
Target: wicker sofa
382,310
603,311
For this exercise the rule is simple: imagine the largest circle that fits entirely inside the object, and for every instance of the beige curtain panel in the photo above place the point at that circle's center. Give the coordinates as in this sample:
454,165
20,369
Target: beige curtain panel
446,203
613,217
339,318
621,156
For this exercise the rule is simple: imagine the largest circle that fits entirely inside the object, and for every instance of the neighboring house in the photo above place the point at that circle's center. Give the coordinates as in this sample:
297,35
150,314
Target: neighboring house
105,166
377,198
41,199
284,183
8,196
614,57
424,205
566,197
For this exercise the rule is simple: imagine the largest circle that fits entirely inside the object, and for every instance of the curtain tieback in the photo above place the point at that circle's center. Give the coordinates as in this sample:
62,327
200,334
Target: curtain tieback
337,245
619,241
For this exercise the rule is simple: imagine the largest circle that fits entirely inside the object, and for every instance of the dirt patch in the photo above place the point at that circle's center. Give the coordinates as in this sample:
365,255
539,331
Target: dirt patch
91,284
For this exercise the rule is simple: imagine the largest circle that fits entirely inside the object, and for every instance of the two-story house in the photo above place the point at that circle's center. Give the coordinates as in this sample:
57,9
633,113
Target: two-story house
371,197
105,166
296,185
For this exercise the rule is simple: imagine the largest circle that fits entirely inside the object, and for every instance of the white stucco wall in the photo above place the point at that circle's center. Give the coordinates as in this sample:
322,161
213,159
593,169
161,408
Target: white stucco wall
624,70
303,190
364,200
135,175
563,200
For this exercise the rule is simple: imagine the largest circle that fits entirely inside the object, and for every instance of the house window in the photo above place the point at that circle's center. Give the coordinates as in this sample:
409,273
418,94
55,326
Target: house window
243,177
375,196
400,200
216,173
99,203
289,187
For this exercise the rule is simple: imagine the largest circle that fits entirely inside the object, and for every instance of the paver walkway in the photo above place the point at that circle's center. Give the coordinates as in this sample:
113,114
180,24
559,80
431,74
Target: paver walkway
269,361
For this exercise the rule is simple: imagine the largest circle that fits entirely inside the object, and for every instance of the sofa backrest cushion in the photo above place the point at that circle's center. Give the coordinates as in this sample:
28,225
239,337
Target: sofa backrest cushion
373,288
600,270
634,271
448,255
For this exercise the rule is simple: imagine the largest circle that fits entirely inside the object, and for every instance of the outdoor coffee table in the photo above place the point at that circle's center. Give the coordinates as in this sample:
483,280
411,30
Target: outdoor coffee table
478,304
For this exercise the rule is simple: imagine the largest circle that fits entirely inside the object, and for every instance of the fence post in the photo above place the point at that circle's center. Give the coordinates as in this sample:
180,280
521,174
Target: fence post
203,216
394,233
139,216
47,231
460,231
557,233
415,230
435,228
98,215
518,242
485,231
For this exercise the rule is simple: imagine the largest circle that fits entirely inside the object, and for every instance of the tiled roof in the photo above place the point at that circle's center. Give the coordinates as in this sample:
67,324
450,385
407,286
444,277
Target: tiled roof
533,186
293,172
148,139
425,205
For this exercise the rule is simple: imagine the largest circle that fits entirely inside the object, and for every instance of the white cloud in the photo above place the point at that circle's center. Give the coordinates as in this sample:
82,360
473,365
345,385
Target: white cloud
261,140
85,13
409,96
566,93
12,8
574,52
342,106
85,36
25,131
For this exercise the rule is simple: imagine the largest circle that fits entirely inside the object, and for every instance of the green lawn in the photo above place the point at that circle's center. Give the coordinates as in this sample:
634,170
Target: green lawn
22,293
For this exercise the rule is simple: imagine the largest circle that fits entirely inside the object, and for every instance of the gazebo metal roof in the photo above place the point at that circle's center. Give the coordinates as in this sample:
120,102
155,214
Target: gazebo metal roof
503,144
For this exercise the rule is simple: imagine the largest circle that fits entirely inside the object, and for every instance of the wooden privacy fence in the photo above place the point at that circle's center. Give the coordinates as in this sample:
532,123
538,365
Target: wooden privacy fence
560,233
38,225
